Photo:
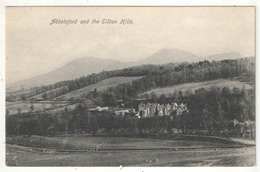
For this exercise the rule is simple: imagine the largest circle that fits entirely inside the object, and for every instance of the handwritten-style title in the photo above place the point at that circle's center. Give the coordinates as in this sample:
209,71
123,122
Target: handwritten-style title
91,21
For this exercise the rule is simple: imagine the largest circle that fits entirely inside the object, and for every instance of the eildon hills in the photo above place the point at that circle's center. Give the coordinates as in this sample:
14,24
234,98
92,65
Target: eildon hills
88,65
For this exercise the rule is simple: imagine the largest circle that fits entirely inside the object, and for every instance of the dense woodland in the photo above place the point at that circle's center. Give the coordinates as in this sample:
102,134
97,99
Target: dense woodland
153,76
215,111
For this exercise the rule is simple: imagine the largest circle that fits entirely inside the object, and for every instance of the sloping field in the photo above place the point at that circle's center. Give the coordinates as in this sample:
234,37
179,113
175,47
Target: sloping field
197,85
102,85
38,96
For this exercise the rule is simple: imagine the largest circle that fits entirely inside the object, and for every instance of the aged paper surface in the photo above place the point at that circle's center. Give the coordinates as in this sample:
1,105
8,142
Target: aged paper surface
108,117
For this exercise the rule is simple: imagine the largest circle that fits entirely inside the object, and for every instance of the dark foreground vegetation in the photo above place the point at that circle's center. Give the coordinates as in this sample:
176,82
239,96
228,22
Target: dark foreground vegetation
222,112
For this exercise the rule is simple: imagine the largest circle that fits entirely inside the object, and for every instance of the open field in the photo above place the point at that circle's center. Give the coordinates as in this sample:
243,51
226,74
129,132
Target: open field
26,156
115,151
24,106
197,85
102,85
85,143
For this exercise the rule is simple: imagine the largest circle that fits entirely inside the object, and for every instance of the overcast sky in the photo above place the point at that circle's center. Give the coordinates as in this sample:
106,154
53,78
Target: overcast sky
34,47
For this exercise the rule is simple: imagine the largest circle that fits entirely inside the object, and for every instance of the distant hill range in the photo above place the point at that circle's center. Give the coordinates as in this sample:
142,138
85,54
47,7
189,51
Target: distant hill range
87,65
164,56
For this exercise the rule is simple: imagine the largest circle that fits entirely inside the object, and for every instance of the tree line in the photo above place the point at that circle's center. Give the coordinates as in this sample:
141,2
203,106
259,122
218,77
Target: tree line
154,76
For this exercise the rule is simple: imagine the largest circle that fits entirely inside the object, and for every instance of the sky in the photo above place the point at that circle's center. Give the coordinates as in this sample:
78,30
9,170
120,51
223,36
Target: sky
35,47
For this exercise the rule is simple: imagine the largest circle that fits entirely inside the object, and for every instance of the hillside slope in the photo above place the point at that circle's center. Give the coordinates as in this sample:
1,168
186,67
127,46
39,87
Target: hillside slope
88,65
39,96
74,69
102,85
164,56
197,85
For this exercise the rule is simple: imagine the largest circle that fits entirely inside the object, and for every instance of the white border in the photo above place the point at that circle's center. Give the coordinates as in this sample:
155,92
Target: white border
4,3
131,3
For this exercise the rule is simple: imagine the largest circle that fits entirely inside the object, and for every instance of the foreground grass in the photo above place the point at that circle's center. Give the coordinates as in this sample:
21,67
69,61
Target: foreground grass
21,156
84,143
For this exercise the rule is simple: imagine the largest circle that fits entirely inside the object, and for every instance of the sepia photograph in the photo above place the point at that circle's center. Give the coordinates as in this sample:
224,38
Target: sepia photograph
130,86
